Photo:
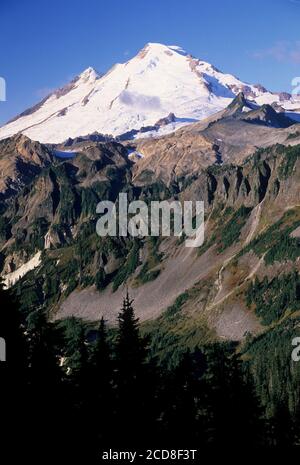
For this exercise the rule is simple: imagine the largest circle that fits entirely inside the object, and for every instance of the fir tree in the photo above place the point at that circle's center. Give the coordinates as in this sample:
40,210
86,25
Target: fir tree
13,373
132,378
101,383
48,395
130,346
233,413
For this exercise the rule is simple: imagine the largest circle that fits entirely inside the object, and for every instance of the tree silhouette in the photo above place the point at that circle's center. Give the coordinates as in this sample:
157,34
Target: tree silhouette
133,379
13,372
101,384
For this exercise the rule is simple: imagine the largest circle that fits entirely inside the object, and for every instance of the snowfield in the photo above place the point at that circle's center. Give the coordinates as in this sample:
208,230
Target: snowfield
158,81
11,278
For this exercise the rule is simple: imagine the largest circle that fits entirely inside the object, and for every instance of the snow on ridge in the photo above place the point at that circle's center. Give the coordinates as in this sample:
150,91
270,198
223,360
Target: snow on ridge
11,278
158,81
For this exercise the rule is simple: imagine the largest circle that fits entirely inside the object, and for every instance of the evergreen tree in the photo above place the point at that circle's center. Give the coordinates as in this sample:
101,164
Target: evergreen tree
234,415
181,390
46,400
296,425
133,380
76,354
130,346
283,429
101,383
13,373
78,381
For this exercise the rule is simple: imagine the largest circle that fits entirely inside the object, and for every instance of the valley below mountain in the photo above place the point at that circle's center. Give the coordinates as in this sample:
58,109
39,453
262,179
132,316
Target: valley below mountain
248,182
243,161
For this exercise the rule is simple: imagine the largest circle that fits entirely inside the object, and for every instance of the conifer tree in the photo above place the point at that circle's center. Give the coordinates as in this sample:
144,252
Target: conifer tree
132,380
181,389
45,377
234,415
101,383
78,381
283,427
13,372
76,352
130,346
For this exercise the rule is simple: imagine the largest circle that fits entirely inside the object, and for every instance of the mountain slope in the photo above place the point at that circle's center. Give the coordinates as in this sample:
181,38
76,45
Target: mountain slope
252,221
228,136
21,160
160,80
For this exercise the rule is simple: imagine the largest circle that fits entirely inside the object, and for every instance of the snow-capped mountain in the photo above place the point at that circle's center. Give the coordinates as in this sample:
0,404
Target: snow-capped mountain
161,88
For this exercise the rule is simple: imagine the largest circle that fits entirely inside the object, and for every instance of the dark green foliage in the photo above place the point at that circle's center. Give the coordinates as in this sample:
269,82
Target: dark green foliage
75,344
101,382
276,242
232,229
39,229
293,135
44,366
172,333
283,434
154,258
135,380
129,266
234,415
14,403
68,208
181,397
52,287
276,297
287,248
2,261
70,275
87,280
146,276
291,155
100,279
176,307
276,375
134,403
5,229
228,229
89,201
130,345
31,297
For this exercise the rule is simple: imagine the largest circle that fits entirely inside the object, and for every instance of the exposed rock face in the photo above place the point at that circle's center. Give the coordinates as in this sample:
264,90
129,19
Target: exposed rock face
173,157
260,88
54,211
284,96
50,198
260,186
21,160
171,118
230,136
268,116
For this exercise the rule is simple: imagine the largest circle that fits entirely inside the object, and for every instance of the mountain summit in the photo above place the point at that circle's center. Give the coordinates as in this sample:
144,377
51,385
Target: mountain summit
160,80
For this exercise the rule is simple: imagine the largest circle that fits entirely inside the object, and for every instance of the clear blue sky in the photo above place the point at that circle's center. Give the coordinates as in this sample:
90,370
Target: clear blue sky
44,43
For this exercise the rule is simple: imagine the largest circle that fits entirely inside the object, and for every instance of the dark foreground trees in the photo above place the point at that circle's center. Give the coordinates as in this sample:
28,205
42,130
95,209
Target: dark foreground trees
73,392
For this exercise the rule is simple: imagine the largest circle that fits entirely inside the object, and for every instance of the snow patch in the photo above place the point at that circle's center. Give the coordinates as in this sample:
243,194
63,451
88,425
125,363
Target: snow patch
138,93
11,278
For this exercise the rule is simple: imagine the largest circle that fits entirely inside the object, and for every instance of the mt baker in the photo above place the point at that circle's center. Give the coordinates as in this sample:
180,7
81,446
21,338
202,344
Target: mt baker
159,90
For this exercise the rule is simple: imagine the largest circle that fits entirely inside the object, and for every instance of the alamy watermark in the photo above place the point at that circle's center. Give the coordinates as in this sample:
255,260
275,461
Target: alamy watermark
296,86
159,218
296,351
2,89
2,350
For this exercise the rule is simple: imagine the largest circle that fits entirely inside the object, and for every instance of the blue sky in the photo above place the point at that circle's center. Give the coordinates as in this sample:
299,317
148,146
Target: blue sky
45,43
